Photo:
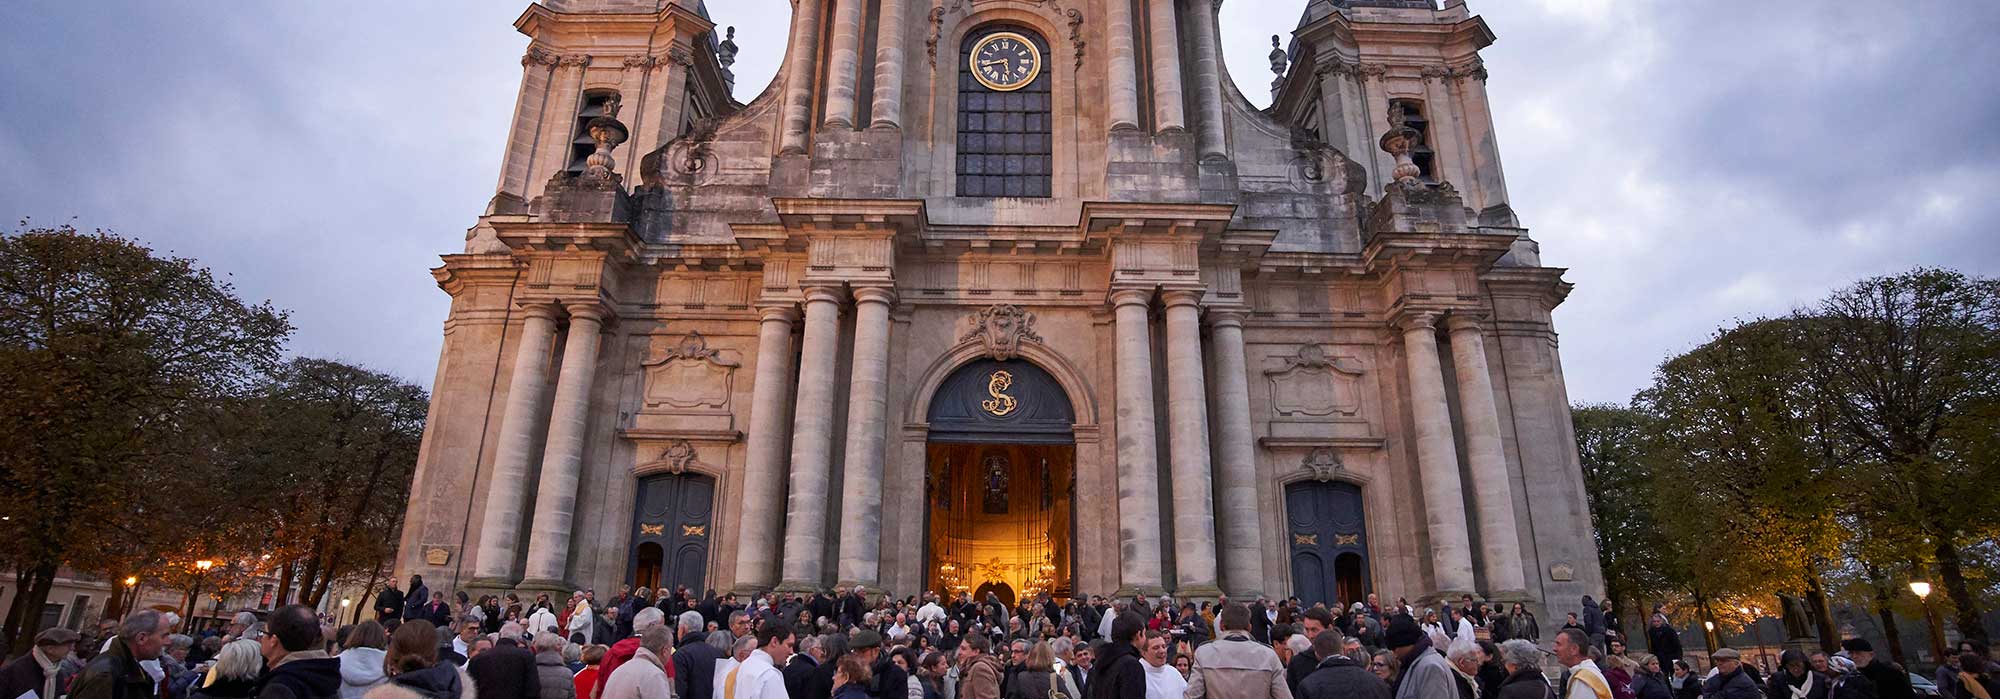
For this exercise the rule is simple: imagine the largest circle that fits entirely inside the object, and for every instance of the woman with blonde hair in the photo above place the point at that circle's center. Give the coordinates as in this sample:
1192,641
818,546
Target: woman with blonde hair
234,674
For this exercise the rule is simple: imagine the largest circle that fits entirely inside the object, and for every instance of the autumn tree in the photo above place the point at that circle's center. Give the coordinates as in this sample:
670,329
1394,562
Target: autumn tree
104,348
1617,479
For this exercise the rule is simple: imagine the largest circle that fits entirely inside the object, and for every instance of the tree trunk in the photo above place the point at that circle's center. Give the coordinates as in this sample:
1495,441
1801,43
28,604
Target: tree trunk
284,585
367,593
1882,597
1952,574
1707,622
310,574
37,594
1829,637
22,576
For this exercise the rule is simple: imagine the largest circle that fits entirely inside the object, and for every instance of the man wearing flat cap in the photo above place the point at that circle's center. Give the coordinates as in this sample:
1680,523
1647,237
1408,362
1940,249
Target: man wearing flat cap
1730,681
36,671
1891,682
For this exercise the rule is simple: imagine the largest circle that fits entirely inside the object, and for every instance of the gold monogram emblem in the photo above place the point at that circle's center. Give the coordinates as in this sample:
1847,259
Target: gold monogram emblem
694,531
652,529
996,385
1306,539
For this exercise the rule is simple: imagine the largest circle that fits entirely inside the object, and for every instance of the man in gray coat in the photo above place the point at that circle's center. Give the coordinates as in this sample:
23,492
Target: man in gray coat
1236,666
1426,674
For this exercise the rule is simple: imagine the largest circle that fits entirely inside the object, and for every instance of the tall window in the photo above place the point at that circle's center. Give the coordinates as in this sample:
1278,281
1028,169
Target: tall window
595,102
1412,112
1004,141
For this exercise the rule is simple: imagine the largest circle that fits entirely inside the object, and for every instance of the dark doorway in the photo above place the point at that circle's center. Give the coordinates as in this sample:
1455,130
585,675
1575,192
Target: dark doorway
671,528
999,589
1328,540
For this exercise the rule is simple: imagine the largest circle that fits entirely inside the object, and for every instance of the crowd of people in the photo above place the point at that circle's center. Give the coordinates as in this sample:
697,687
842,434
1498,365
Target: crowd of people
858,644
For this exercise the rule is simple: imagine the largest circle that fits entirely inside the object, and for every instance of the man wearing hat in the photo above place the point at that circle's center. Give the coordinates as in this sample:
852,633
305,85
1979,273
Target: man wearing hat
1730,681
888,680
36,671
1426,674
1890,681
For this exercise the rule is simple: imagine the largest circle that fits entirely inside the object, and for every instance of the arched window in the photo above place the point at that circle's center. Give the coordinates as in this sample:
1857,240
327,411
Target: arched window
595,104
1412,114
1004,130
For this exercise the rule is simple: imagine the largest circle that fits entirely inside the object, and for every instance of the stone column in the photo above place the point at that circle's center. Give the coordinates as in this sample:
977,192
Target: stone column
1166,48
1124,78
867,410
1242,540
562,459
1138,457
812,444
887,108
844,70
1492,488
1208,82
763,519
1437,460
1187,415
506,496
800,59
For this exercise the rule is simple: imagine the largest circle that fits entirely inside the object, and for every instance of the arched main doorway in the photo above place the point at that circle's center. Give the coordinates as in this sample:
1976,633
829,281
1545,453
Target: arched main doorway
670,531
1328,541
1000,482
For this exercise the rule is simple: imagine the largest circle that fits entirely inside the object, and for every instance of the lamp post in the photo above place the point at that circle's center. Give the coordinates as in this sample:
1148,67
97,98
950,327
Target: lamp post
129,596
1708,633
1923,592
1757,633
194,595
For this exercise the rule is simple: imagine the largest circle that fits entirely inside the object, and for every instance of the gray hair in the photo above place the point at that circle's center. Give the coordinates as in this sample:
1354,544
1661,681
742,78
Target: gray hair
1061,646
572,653
1462,649
648,618
655,638
510,630
247,619
721,639
807,643
180,641
691,621
743,647
733,616
1520,653
140,622
1299,643
240,659
548,642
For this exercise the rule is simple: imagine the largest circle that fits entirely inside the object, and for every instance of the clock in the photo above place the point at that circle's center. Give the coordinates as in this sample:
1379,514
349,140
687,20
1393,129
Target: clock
1005,61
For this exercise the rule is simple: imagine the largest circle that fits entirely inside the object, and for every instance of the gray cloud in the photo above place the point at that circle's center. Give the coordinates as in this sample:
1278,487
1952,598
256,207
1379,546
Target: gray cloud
1691,162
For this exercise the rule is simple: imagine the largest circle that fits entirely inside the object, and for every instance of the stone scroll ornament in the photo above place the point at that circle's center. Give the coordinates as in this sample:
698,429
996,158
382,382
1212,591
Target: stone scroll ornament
1003,327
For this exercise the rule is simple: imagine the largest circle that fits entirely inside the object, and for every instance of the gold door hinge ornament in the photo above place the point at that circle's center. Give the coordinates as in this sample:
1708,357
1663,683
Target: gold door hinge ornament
1346,539
996,385
694,531
652,529
1306,539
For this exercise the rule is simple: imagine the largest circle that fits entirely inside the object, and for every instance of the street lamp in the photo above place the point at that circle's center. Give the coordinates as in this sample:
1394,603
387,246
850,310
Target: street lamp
1923,591
1708,634
201,569
1757,632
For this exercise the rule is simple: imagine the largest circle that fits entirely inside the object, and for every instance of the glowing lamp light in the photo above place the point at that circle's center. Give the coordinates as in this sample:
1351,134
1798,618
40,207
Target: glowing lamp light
1710,625
345,602
1923,589
204,564
131,580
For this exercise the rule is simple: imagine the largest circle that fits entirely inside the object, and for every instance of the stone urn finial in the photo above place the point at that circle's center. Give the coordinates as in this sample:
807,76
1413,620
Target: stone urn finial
725,53
1398,142
608,132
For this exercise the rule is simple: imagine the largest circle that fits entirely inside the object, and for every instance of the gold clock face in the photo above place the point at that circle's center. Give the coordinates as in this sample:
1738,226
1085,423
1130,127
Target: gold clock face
1005,61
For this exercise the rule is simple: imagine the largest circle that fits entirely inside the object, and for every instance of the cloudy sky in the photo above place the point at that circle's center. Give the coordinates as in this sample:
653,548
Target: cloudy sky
1690,161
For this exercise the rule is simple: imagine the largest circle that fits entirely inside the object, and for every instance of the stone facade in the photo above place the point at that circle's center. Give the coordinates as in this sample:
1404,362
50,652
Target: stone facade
1235,303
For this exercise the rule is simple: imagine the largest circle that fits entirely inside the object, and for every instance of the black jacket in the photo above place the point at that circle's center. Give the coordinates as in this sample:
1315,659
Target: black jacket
113,674
1302,665
304,678
1665,642
1650,686
1118,674
1735,685
21,676
226,689
890,681
694,667
505,673
1339,677
1529,683
1780,686
440,681
1890,681
798,673
1032,684
391,599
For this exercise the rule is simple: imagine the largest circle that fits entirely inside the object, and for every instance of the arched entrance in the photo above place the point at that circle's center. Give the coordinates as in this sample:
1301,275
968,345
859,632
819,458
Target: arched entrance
1000,482
670,531
1328,542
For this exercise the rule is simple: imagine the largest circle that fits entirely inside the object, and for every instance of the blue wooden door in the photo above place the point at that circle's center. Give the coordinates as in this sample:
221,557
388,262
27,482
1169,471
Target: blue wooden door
1327,535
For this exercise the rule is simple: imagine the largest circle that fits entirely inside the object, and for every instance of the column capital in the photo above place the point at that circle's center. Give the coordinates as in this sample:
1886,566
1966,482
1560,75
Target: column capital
592,310
875,294
1181,297
1411,321
544,311
1226,316
1131,297
822,293
786,311
1464,322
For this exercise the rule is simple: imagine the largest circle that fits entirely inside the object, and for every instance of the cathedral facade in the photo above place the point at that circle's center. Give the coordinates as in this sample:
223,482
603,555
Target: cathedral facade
1002,295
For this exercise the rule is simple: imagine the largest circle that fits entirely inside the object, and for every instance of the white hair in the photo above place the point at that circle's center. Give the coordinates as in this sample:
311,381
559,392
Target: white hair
548,642
1463,648
1520,653
690,622
648,618
1299,643
239,660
